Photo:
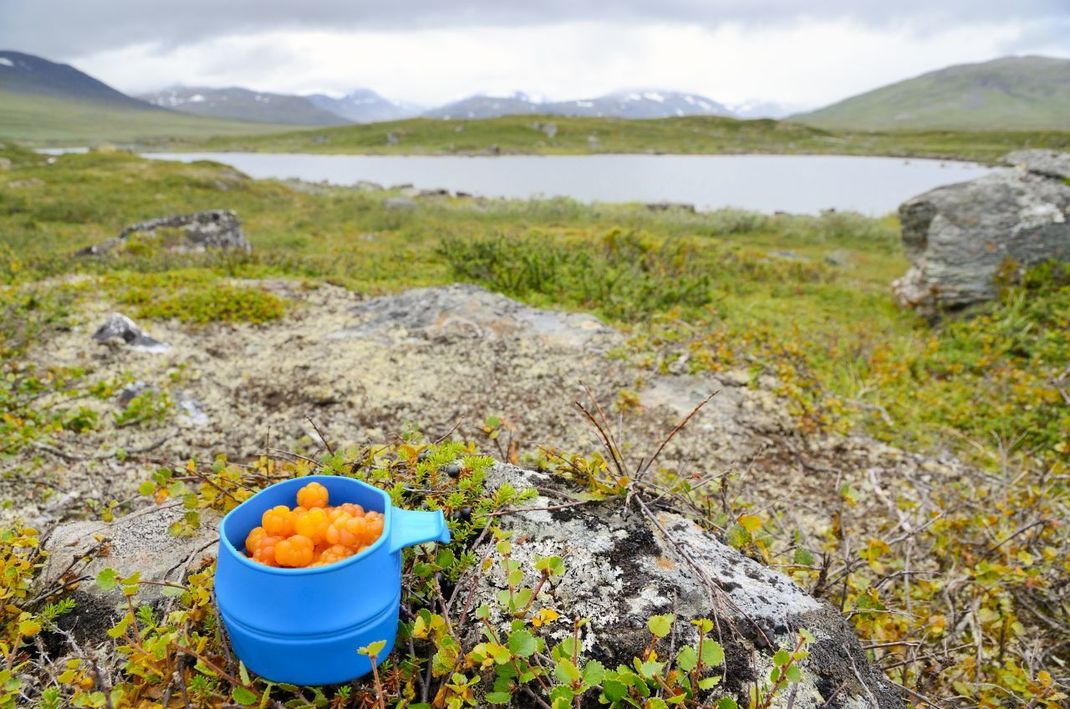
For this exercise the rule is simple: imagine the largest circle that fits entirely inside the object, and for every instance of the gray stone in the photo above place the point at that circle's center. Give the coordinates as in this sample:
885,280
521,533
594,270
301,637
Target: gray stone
621,567
200,231
671,207
958,237
140,541
119,328
392,138
1047,163
399,204
190,412
467,312
125,395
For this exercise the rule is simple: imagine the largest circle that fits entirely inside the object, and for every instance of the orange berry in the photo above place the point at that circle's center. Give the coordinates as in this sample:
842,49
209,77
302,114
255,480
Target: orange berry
312,495
253,540
278,521
313,525
295,552
265,552
352,509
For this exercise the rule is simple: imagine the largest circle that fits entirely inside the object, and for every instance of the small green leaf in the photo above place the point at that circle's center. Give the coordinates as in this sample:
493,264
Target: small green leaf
566,671
803,557
660,625
498,697
614,690
781,658
522,643
712,653
107,579
655,703
687,658
709,683
793,673
593,673
373,649
727,703
243,696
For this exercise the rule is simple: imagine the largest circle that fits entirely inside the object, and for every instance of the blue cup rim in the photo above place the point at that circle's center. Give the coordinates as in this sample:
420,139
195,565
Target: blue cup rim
224,541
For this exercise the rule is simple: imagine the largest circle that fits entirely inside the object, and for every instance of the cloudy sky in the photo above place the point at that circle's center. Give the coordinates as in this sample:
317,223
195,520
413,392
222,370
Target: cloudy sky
797,52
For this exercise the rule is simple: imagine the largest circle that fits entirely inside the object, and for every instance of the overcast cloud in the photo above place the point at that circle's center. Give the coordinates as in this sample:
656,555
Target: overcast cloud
795,52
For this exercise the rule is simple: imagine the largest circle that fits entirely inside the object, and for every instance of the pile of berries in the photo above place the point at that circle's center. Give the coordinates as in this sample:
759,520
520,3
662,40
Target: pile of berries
313,533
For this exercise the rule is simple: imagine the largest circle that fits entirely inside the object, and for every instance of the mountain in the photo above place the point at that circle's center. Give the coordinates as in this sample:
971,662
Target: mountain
364,106
244,105
26,74
1012,93
621,104
48,103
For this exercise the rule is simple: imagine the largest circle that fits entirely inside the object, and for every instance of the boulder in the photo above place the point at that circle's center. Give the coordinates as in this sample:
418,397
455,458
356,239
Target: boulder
622,566
140,541
469,312
1047,163
960,237
119,328
200,231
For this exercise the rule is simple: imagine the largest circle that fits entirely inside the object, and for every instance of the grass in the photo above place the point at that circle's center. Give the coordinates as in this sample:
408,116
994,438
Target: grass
971,603
581,135
1020,93
47,120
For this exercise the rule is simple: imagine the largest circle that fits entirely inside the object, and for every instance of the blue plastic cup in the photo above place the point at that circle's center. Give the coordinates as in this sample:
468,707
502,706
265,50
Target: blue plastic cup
304,626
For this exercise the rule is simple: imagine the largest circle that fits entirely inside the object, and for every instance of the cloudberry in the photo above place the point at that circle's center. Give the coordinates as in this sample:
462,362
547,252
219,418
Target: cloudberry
312,524
253,540
312,495
295,552
278,521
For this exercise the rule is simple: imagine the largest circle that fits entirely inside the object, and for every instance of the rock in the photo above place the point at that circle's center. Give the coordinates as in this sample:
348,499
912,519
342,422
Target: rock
958,237
125,395
468,312
671,206
5,164
190,412
392,138
548,129
200,231
1046,163
118,327
621,568
399,204
141,541
839,257
367,186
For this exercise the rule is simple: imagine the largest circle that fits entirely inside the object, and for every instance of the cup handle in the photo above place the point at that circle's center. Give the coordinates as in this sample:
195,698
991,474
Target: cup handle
408,527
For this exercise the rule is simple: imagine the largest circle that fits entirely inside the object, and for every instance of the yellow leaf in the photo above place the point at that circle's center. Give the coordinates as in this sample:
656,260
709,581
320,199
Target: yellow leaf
751,523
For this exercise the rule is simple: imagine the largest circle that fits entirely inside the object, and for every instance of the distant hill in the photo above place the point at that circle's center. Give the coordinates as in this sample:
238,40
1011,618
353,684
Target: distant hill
1012,93
364,106
244,105
621,104
26,74
44,102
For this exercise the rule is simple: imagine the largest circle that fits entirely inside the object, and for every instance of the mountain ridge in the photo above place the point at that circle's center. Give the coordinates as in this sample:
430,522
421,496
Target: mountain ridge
1008,93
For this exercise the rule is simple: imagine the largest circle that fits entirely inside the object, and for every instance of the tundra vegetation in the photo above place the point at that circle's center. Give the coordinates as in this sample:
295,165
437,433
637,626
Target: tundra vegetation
582,135
961,595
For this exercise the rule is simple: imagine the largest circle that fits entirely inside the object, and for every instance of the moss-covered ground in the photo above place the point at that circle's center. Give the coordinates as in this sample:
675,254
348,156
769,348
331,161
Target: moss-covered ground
964,601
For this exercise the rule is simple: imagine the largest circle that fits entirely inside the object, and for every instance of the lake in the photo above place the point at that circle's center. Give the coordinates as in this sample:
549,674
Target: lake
766,183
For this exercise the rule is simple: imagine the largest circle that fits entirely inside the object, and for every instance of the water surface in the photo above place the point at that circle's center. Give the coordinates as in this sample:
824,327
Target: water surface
766,183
